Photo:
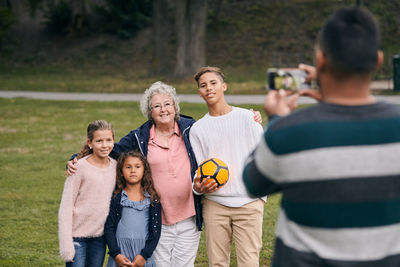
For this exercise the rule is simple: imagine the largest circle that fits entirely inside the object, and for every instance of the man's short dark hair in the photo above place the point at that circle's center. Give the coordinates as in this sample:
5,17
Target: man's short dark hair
350,41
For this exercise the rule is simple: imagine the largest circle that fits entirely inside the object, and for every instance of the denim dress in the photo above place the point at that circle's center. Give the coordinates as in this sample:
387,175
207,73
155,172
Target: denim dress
132,229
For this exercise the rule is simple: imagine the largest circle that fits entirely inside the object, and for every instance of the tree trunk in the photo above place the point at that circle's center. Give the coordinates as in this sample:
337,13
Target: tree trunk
191,18
5,4
216,12
181,22
161,36
78,17
197,53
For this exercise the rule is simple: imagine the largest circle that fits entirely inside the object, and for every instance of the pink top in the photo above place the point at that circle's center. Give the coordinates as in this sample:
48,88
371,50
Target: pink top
85,204
170,167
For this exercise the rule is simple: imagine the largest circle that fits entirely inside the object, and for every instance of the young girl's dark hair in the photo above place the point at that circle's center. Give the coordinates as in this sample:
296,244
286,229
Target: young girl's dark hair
147,180
92,127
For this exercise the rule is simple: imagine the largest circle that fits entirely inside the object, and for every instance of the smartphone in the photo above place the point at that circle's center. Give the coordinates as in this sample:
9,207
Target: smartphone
287,78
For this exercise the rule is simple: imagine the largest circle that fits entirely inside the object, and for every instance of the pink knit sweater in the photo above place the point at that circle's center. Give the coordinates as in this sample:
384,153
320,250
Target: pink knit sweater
85,204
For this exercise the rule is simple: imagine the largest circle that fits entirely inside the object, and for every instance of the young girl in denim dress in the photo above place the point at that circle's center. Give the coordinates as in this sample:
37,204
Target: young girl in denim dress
133,226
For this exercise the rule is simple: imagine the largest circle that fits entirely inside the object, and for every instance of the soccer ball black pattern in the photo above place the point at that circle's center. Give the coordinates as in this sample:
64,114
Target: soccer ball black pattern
216,169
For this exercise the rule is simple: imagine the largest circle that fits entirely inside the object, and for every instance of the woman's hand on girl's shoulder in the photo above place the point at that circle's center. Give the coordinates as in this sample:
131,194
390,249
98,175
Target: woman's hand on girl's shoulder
71,167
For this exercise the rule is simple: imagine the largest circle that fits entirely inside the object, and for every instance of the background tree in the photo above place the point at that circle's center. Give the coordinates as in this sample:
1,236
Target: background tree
58,17
214,12
79,17
161,33
6,20
189,33
124,17
190,21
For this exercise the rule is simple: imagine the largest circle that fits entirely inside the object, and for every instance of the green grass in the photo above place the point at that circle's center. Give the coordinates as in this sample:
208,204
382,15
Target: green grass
36,139
64,79
57,78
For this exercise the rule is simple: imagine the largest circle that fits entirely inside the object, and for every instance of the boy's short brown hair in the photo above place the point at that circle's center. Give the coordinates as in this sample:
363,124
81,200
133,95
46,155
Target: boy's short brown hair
203,70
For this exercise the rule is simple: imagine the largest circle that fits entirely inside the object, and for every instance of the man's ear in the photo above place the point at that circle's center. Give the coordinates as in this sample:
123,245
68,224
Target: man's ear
379,60
320,60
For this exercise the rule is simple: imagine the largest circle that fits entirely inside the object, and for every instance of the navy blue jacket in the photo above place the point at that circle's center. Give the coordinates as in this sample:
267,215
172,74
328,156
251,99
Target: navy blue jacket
139,140
114,216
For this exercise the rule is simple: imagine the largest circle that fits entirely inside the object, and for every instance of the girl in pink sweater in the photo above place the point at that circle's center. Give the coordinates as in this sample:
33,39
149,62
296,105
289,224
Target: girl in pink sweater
86,198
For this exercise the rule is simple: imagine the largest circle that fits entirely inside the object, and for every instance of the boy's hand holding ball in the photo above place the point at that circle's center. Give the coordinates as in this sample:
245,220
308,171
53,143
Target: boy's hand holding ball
212,174
206,186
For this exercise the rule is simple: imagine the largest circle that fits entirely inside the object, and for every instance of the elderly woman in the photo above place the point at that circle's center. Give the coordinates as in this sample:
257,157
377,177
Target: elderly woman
164,139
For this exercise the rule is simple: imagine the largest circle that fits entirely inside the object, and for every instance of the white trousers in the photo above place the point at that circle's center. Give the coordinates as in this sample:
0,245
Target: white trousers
178,244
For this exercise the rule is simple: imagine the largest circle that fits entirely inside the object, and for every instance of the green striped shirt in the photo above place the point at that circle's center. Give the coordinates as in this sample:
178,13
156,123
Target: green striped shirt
338,168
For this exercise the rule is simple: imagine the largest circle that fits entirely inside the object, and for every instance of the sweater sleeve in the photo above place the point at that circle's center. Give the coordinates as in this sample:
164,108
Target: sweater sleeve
256,129
198,152
154,230
127,143
256,177
272,119
110,227
196,144
65,216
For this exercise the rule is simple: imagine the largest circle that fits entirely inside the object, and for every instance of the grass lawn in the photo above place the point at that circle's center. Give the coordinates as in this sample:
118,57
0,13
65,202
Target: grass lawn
36,139
84,79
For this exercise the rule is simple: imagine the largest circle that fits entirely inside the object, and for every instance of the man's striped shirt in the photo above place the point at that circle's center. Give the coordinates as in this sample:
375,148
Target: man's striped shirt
338,168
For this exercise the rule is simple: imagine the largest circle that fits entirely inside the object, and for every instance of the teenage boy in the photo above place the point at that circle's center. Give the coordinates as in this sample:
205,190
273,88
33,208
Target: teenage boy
230,134
336,163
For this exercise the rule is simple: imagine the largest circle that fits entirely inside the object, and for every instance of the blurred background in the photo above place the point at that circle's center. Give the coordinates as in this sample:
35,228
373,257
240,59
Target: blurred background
125,45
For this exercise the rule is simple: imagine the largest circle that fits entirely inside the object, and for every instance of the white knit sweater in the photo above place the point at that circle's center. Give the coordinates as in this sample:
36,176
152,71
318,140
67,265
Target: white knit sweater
231,138
85,204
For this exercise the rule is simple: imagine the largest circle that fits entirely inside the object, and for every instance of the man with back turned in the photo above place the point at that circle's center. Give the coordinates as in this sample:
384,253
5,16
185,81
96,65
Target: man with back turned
336,163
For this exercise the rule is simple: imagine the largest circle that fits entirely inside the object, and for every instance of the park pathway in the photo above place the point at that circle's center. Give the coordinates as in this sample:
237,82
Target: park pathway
190,98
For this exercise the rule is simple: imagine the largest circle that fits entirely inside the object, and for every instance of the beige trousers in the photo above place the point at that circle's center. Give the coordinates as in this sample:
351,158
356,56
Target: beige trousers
243,223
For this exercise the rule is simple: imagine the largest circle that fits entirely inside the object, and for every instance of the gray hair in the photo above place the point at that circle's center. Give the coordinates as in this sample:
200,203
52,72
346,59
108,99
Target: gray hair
158,88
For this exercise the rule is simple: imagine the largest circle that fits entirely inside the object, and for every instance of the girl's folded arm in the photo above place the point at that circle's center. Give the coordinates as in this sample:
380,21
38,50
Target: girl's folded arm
154,230
110,227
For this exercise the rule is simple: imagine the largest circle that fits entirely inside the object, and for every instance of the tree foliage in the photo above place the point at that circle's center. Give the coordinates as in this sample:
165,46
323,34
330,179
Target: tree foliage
57,16
6,20
125,17
121,17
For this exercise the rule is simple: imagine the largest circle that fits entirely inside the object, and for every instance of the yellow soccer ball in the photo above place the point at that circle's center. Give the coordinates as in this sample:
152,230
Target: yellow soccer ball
216,169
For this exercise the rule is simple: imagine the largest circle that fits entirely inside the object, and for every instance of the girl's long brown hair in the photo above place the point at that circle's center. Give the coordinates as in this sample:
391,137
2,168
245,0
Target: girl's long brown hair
93,127
147,180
